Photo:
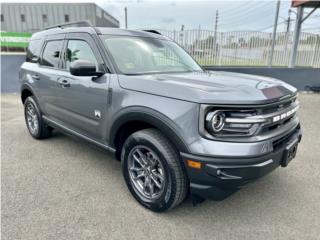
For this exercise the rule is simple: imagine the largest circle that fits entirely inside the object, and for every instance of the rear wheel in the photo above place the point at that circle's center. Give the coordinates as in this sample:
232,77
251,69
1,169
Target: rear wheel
35,124
153,171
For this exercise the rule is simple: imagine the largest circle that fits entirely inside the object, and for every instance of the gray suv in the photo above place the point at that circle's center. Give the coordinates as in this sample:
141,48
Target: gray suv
177,129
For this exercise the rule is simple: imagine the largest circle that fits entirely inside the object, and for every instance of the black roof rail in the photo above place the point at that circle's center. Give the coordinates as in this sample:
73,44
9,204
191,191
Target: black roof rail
71,24
153,31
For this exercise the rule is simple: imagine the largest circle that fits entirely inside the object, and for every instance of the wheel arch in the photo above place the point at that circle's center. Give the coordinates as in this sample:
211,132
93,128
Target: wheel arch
137,118
26,91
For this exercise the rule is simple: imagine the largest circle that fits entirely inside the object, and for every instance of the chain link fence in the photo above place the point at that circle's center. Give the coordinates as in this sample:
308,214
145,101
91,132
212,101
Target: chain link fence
246,48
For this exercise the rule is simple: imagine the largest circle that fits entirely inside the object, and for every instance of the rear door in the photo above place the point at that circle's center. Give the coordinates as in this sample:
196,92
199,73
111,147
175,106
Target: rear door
83,100
47,72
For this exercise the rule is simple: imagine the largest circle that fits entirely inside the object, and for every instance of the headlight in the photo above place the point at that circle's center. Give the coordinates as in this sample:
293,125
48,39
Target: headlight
231,123
215,121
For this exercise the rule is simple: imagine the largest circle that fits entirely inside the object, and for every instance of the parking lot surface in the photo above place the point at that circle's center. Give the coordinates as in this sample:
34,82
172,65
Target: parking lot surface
61,188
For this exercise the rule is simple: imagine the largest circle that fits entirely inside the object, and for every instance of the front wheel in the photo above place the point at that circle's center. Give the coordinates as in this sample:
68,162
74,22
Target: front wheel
153,171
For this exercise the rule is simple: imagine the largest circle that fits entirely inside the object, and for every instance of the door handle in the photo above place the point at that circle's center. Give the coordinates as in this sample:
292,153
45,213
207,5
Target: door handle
64,83
35,77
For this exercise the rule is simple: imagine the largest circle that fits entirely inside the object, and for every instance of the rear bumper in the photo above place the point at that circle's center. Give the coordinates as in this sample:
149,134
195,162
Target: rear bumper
219,177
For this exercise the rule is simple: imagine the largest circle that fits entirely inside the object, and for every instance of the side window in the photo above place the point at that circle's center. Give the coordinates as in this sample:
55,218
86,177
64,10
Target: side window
33,51
51,54
79,50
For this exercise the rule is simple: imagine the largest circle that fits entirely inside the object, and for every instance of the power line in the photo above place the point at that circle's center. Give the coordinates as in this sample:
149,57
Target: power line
249,11
312,28
241,8
248,8
243,21
246,16
271,26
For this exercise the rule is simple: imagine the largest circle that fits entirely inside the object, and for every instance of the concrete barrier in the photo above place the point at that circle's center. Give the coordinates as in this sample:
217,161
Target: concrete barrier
10,65
298,77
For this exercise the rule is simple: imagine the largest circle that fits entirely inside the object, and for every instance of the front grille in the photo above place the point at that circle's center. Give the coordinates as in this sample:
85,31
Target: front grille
261,120
277,110
277,106
281,141
277,125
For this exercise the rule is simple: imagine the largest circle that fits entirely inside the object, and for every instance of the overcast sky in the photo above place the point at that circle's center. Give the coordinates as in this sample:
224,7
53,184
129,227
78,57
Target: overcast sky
171,14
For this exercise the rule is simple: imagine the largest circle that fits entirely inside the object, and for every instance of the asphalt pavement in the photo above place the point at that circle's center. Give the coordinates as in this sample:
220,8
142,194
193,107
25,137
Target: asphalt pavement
61,188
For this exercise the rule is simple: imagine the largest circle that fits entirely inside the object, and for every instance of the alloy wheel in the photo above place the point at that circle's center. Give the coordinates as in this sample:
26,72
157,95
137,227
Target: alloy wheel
32,119
146,172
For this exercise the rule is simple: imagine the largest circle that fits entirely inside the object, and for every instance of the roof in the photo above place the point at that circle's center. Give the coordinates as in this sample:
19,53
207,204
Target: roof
97,30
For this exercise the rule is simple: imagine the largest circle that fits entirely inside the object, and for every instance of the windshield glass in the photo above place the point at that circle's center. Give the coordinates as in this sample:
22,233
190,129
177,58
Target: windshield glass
141,55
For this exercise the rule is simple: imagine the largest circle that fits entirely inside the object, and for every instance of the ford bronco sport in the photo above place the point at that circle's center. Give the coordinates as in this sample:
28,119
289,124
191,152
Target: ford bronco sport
177,129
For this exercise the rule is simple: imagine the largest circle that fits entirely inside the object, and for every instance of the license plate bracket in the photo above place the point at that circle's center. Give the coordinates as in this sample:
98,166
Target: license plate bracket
289,152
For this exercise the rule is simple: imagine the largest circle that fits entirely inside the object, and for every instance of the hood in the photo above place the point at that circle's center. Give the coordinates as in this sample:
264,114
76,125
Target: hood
211,87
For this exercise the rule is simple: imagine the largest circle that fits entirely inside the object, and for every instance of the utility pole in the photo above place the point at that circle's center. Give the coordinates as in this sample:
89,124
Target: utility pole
289,21
126,17
199,37
288,31
181,34
296,36
274,34
216,30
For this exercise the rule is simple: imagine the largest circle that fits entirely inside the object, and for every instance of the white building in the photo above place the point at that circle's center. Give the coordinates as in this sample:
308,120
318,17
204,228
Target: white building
32,17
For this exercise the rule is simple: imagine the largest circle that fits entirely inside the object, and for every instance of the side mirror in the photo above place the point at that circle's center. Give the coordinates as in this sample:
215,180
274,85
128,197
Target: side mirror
84,68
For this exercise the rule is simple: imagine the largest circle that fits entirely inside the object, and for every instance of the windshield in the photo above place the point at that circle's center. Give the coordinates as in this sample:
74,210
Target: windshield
141,55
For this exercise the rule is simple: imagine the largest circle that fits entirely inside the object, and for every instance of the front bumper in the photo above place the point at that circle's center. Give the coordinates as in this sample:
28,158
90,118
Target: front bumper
220,177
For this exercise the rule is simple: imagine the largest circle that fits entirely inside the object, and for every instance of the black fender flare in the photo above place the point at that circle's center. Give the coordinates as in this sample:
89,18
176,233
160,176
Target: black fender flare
26,86
152,117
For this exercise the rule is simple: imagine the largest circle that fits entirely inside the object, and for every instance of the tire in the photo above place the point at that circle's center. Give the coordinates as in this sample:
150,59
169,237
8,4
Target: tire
160,170
34,121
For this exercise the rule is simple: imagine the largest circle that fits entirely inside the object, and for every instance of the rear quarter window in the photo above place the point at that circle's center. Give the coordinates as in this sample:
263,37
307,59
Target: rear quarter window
33,50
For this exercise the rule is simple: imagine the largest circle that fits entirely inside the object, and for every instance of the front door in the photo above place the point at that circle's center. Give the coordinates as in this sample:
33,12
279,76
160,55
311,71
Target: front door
83,100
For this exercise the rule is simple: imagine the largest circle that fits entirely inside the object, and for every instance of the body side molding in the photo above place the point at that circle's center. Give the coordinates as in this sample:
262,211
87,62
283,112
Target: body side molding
70,131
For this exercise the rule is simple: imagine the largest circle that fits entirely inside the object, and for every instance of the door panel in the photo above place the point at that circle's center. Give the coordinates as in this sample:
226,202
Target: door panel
48,91
47,71
82,104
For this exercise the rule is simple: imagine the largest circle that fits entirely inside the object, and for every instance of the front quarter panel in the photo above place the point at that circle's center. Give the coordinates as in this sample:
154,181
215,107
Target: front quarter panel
181,116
